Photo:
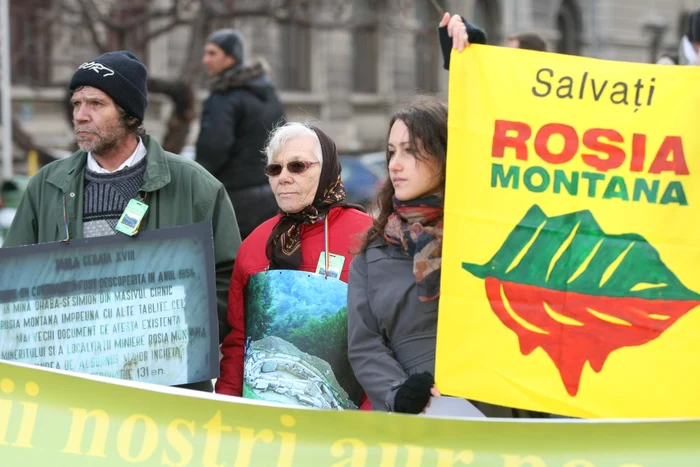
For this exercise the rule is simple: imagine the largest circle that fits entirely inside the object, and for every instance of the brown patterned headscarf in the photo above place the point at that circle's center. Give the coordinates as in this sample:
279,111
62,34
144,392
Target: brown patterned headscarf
283,247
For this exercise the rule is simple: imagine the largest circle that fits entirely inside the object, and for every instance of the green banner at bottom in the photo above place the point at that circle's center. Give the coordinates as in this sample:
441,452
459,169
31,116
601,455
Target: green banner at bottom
52,418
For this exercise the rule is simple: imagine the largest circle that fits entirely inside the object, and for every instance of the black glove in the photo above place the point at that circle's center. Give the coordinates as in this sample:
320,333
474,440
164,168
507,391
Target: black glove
414,393
475,33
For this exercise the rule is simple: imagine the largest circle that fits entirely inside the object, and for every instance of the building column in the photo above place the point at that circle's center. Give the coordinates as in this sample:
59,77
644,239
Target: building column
400,39
332,75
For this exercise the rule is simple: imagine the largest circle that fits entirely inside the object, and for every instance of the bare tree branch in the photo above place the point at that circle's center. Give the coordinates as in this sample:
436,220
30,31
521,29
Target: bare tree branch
65,14
199,16
180,7
198,31
136,21
45,20
26,142
222,12
178,125
124,25
164,29
67,7
438,7
89,10
127,24
405,8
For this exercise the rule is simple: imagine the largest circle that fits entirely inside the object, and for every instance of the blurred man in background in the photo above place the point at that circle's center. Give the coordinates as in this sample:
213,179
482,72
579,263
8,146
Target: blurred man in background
238,115
689,47
528,41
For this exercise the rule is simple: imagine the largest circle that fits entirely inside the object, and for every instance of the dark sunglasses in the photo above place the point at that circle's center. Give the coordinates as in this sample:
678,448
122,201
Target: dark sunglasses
295,167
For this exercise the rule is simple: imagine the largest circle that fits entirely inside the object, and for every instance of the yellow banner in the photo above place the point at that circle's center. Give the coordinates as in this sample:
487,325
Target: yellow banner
572,235
51,417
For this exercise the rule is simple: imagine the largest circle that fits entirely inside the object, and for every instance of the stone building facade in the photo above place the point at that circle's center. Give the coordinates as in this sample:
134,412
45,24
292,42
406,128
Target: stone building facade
352,68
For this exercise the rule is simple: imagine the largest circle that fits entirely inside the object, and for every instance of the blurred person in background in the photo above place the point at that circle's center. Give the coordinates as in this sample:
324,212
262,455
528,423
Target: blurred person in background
689,47
527,41
238,115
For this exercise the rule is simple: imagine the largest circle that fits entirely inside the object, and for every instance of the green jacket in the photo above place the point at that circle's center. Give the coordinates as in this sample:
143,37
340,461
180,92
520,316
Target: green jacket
180,192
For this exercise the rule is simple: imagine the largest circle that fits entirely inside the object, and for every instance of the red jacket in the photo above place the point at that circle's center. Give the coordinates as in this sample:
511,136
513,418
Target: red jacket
345,230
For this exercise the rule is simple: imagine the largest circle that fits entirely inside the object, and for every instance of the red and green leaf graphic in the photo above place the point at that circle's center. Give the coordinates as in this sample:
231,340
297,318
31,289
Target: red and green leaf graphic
562,284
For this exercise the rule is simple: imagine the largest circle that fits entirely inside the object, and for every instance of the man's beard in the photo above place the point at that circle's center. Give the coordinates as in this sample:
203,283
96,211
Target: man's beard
105,142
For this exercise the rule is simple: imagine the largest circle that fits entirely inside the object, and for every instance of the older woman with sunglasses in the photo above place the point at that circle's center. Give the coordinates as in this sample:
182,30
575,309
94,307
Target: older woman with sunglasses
304,173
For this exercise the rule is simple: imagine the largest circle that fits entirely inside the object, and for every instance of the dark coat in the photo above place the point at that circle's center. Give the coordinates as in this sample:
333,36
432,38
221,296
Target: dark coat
238,115
391,333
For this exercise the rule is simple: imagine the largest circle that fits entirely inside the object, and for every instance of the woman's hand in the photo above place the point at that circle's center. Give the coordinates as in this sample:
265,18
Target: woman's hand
433,392
414,394
457,30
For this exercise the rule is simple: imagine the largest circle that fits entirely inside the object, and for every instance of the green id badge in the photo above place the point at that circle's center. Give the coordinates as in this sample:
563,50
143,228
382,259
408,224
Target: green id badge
335,265
131,218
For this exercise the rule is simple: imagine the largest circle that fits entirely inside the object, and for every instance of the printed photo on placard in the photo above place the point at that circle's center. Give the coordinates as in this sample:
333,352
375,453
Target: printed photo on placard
296,345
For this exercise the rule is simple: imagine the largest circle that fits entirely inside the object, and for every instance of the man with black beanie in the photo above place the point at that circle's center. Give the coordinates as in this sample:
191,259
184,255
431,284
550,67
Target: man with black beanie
238,115
86,193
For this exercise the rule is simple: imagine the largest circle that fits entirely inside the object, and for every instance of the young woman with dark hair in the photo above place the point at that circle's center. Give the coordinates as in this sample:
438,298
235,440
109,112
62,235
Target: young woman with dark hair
395,279
394,285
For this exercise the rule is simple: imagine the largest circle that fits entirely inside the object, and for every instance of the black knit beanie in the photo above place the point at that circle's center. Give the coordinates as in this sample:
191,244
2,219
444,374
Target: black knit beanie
230,41
120,75
693,31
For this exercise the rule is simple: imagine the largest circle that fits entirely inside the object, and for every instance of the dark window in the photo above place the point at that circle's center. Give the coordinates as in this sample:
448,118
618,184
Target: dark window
134,38
295,39
365,47
487,17
364,58
30,41
428,57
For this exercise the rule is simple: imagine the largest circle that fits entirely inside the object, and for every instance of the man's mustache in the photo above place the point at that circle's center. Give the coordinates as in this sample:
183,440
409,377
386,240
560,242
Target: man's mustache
85,129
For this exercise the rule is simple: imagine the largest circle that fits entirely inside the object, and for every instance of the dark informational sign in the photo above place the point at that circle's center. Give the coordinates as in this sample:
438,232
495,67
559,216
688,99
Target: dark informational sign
139,308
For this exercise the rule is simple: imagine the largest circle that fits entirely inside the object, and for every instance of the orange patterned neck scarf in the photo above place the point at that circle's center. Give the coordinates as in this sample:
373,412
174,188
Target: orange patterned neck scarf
416,226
